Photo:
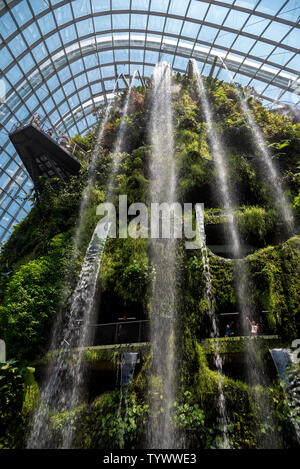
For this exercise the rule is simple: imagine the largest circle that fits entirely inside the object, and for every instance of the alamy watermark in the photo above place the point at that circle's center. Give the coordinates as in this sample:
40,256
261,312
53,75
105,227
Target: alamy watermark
166,220
296,350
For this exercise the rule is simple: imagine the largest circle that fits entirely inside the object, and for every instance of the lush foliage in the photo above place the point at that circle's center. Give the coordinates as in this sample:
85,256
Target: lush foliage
30,302
18,390
100,425
40,252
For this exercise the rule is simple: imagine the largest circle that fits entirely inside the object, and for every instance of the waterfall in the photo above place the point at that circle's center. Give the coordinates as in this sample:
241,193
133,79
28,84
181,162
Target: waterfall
56,330
64,385
220,164
81,312
118,147
91,175
270,172
90,281
95,155
163,255
52,389
63,389
226,198
225,444
253,367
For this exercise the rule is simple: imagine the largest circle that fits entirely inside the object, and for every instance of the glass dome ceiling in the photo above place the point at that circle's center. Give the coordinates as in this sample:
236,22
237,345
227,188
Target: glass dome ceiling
61,59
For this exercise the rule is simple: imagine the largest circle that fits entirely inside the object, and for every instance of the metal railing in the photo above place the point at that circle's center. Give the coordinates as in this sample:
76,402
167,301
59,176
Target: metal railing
123,332
44,125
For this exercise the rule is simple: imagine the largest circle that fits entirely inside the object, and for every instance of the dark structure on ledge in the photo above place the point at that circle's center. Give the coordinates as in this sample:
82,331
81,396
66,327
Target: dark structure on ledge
44,152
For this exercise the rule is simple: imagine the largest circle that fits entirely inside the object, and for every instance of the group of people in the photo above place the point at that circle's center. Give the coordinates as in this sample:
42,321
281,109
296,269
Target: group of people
229,329
254,328
36,120
62,140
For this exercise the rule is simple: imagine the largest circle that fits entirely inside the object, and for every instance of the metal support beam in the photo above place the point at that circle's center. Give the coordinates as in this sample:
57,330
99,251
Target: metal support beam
124,79
213,67
142,80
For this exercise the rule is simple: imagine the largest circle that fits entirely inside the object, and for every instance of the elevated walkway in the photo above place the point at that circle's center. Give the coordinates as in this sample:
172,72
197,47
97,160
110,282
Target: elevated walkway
101,361
233,345
105,354
238,353
45,152
98,357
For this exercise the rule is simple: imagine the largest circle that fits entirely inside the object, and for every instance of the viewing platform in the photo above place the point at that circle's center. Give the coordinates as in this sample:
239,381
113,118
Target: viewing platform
44,151
133,336
232,345
101,360
111,339
99,357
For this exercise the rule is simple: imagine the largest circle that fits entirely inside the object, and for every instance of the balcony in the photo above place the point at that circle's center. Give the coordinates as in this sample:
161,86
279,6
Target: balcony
45,151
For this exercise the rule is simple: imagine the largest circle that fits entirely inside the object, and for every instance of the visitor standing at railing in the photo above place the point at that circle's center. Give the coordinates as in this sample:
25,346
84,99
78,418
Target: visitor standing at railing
63,141
229,329
124,318
36,119
253,326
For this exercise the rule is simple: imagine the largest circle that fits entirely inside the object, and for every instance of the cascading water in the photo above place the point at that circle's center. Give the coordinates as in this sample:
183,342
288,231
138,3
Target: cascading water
90,282
163,254
220,163
223,186
118,147
253,368
225,444
95,154
64,386
56,331
91,173
54,381
270,172
81,313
